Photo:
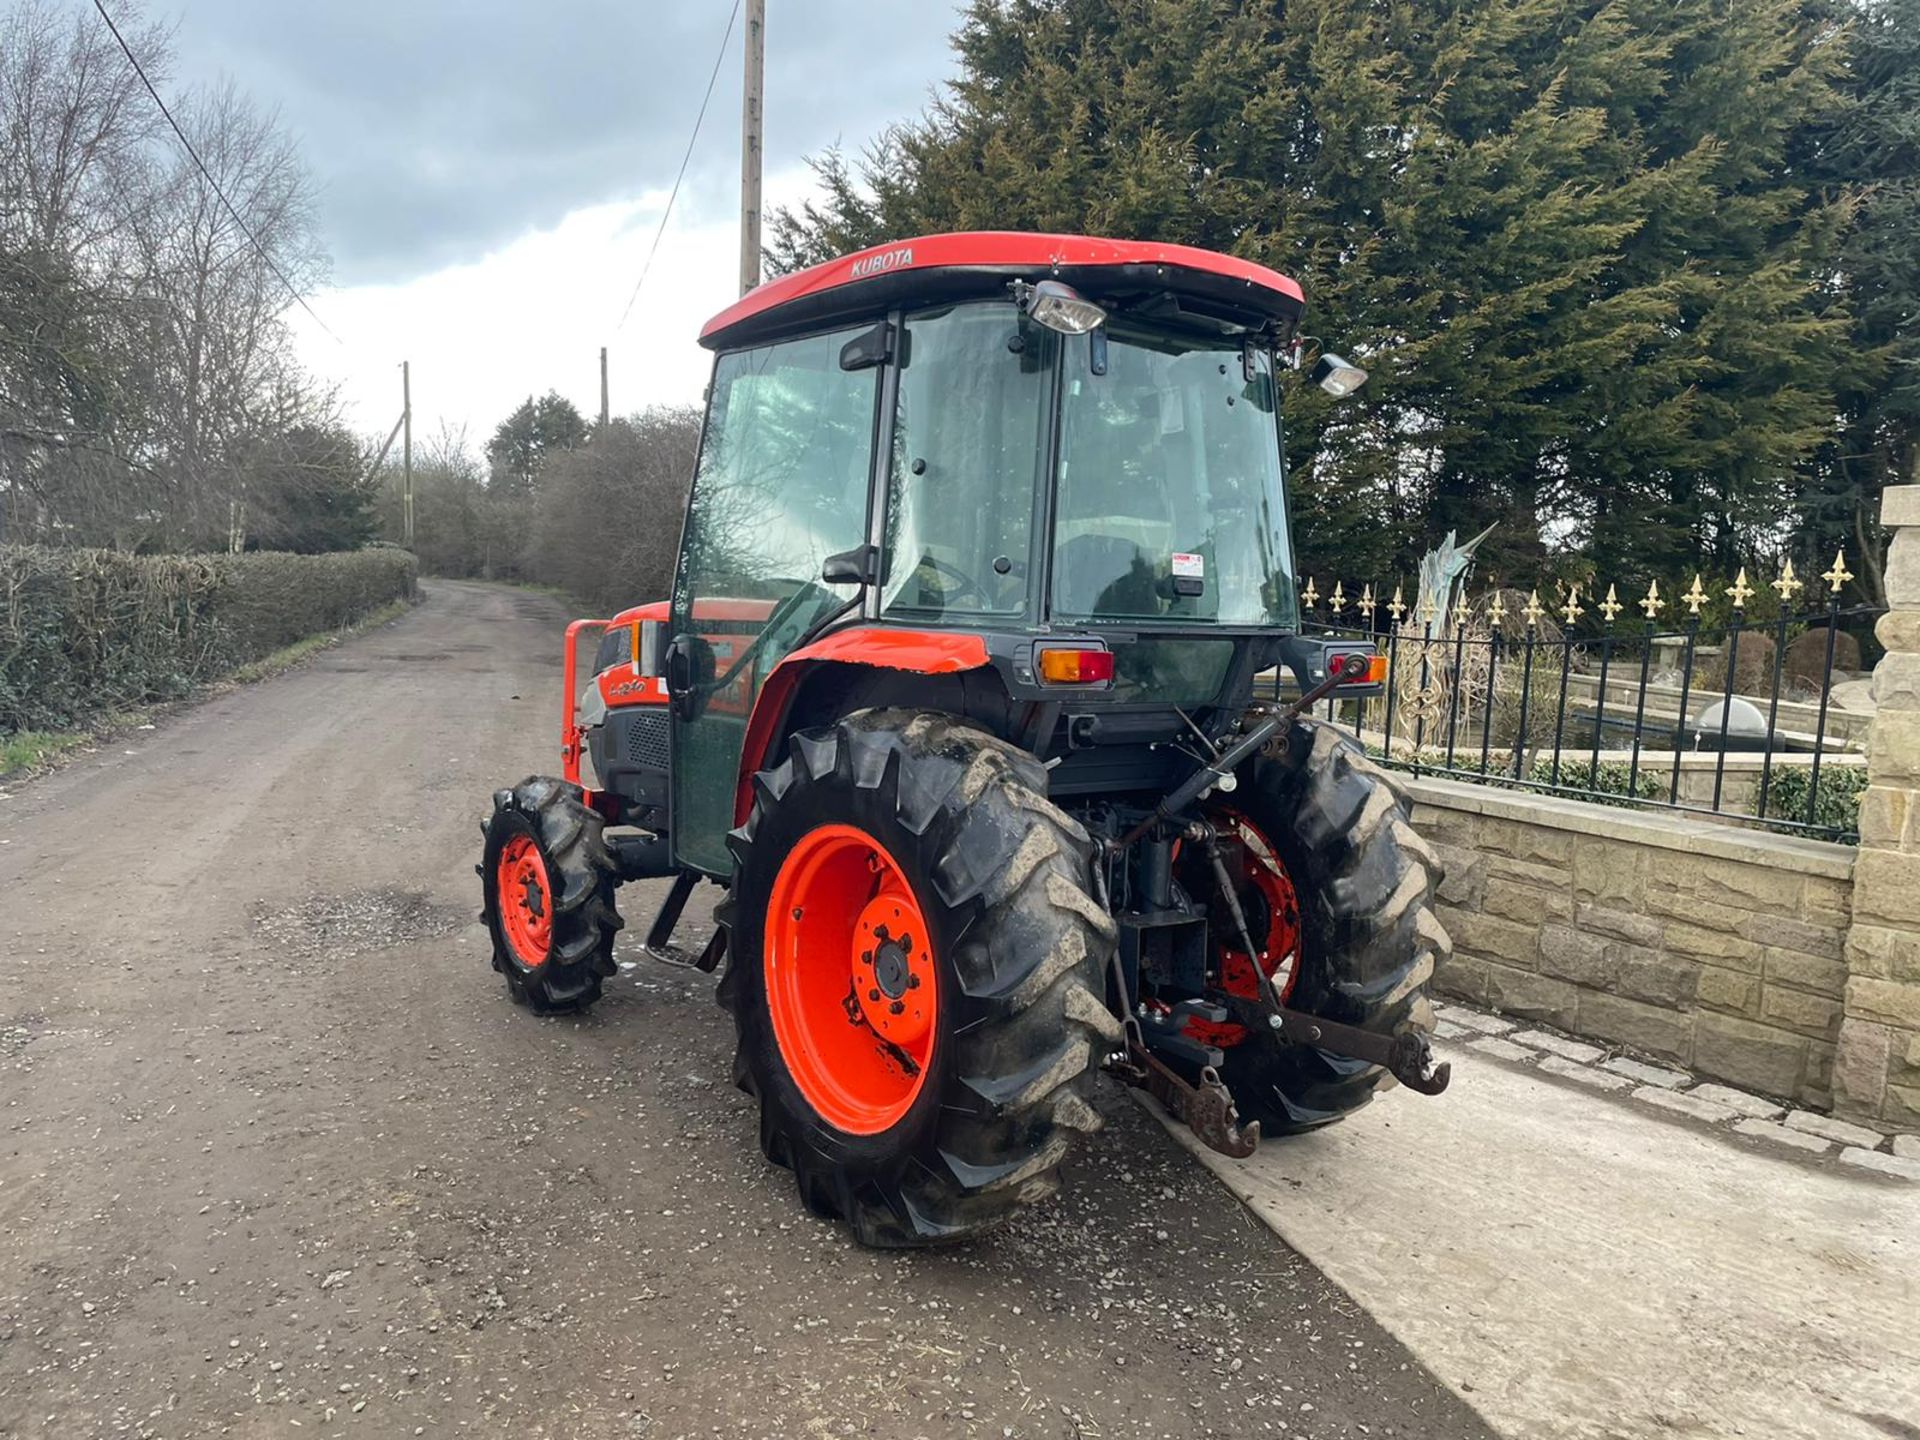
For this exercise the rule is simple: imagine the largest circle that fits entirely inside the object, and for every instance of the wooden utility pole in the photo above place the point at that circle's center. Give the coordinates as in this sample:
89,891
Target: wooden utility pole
750,118
603,387
406,454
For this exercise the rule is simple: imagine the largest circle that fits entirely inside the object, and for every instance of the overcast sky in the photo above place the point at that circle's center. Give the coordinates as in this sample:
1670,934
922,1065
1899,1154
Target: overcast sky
492,172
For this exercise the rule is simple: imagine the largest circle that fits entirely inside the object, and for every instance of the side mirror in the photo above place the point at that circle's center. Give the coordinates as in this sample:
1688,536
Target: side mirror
850,567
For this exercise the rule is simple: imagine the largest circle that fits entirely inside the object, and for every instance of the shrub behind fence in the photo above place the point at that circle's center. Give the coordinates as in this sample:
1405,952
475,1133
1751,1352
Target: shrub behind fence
87,632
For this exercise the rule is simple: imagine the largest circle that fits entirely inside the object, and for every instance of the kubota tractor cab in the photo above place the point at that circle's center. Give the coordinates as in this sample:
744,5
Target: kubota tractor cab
955,696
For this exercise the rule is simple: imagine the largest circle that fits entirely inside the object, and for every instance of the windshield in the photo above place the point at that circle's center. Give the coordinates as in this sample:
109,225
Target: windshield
1170,503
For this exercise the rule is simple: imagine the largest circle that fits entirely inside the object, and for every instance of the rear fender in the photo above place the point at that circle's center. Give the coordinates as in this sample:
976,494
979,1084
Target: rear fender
849,652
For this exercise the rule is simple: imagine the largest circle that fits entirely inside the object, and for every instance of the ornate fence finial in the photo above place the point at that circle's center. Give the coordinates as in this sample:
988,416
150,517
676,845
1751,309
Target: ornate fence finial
1367,603
1428,607
1611,606
1310,595
1786,584
1653,604
1337,601
1573,609
1839,574
1533,609
1396,607
1696,597
1496,609
1740,591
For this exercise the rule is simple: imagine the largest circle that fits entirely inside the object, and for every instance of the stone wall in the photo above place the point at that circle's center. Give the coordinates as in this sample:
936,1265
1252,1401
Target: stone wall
1878,1073
1721,949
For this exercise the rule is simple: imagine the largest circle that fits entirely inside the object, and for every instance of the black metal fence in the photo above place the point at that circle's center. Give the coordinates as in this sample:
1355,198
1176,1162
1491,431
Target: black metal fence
1751,712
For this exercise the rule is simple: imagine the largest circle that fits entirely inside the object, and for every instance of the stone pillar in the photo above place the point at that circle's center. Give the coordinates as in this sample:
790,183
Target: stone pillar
1876,1073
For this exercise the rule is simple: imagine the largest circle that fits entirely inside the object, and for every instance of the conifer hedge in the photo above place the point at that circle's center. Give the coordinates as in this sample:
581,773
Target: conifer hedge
84,633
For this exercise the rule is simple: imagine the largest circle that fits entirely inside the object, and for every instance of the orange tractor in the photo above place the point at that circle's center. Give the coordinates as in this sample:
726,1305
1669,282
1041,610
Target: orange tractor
986,549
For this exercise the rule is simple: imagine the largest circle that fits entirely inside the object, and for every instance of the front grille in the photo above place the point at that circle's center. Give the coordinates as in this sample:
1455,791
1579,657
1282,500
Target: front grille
647,738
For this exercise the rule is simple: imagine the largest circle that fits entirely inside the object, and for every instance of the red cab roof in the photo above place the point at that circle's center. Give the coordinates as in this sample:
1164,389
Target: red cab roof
893,268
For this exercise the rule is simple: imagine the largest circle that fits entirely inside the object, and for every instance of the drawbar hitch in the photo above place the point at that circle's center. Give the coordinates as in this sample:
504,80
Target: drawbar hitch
1206,1108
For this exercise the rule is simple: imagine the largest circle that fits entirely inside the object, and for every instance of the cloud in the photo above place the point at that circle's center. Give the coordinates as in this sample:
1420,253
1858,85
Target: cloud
440,132
532,315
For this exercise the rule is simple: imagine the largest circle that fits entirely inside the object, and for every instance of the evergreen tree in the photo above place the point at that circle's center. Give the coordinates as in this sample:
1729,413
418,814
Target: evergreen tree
1569,241
523,441
310,492
1873,150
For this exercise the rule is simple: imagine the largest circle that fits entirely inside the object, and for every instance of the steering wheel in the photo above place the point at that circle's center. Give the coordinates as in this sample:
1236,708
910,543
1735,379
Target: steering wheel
969,585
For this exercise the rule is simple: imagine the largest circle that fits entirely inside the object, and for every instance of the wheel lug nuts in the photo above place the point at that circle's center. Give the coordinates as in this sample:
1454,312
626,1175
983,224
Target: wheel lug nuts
873,995
897,1008
913,982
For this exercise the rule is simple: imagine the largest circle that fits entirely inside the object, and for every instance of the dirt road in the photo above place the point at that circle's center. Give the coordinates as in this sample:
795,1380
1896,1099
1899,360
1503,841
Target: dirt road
277,1157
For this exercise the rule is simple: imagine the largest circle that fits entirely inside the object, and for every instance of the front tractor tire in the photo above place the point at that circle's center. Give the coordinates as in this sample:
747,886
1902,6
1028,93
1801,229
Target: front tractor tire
1368,935
547,881
916,975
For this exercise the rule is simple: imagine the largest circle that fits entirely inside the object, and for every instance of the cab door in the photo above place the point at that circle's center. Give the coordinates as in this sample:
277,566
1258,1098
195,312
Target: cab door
783,481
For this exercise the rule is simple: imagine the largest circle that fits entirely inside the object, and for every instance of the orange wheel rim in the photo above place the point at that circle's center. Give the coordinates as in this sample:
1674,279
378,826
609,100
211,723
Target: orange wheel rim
1262,872
851,981
525,901
1273,915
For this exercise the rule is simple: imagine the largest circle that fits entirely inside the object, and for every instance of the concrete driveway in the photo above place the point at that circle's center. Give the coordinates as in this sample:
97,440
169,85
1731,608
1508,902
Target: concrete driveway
1582,1266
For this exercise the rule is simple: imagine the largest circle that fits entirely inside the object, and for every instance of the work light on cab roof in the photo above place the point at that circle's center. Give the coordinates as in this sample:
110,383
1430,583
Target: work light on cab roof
1058,306
982,693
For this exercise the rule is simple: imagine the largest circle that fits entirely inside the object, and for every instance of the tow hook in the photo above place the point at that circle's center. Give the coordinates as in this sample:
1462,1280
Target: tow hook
1206,1109
1412,1064
1406,1056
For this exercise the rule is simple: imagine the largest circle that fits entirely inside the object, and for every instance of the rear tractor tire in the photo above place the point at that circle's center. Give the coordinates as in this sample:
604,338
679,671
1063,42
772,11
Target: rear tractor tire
1368,935
547,881
916,975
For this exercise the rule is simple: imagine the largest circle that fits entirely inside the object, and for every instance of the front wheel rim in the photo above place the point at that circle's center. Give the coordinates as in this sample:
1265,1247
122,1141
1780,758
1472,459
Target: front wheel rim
524,898
851,979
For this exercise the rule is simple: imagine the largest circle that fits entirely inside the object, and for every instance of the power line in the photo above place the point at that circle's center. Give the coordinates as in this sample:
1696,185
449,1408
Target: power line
207,174
691,140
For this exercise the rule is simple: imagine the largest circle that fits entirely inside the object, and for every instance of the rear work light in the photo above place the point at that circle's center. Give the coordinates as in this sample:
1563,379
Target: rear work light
1060,307
1060,666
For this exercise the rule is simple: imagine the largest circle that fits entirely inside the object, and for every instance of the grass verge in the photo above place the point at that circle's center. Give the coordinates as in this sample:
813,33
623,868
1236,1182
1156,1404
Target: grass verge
32,752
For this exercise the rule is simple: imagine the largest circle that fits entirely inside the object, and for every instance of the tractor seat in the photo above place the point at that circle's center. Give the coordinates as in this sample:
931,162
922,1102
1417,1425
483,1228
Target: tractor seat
1104,574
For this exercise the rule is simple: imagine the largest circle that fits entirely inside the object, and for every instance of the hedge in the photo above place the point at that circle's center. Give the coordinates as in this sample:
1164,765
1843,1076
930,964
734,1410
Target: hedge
84,633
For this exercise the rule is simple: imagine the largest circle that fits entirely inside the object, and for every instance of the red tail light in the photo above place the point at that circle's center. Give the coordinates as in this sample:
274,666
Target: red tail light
1060,666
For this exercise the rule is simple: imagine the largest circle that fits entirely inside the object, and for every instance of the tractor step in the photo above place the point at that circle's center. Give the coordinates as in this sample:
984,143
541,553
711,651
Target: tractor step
660,933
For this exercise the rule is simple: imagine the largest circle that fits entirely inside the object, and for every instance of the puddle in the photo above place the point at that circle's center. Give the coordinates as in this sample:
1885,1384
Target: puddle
341,926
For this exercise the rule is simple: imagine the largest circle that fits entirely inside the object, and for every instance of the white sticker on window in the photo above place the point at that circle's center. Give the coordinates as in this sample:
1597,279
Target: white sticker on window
1189,567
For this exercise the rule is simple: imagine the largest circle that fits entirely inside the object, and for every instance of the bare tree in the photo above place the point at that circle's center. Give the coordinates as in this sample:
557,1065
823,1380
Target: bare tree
144,363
